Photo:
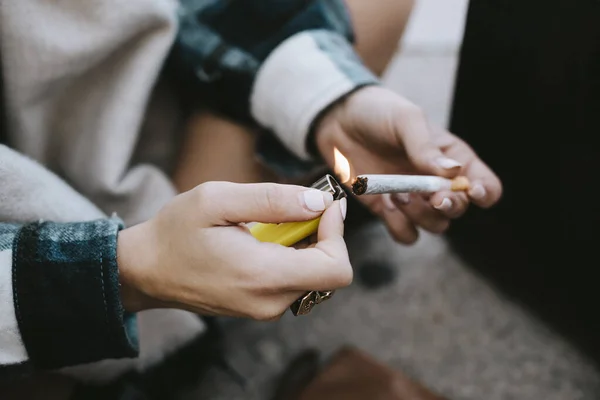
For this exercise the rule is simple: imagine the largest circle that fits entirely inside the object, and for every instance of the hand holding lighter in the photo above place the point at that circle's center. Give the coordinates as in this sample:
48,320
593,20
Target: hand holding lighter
290,233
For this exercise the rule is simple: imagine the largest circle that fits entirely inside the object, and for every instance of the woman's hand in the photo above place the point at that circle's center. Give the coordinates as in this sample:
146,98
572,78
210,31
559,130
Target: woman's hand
381,132
197,255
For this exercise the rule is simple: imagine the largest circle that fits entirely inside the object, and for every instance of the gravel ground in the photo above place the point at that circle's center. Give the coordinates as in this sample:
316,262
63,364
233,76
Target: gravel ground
438,322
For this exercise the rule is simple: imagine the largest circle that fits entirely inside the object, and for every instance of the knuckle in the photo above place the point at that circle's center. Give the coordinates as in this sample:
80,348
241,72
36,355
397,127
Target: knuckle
259,280
413,111
275,318
205,192
272,198
459,211
346,275
336,272
341,277
439,226
269,311
409,240
405,233
407,237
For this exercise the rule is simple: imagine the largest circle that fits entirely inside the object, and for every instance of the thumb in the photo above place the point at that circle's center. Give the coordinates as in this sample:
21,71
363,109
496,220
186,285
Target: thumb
331,242
233,203
325,266
331,228
414,132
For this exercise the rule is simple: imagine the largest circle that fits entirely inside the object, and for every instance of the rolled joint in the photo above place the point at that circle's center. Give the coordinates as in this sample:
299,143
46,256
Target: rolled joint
379,184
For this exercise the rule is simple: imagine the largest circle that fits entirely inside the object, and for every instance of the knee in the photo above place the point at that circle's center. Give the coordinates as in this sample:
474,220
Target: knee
379,25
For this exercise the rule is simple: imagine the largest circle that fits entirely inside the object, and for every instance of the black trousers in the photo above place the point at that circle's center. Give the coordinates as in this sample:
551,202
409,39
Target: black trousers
527,99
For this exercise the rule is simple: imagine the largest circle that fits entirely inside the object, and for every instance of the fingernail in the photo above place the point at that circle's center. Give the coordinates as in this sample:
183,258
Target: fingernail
388,203
447,163
315,200
343,207
477,192
445,205
402,198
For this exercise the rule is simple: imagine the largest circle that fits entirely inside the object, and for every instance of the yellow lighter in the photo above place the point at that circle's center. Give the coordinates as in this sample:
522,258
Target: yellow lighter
290,233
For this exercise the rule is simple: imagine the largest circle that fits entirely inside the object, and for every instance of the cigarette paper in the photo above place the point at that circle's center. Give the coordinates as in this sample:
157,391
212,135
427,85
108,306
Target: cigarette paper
378,184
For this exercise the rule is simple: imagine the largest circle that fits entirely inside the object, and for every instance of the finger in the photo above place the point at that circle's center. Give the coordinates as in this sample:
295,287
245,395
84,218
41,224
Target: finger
486,187
273,307
325,266
413,131
420,213
398,225
450,204
231,203
276,306
330,236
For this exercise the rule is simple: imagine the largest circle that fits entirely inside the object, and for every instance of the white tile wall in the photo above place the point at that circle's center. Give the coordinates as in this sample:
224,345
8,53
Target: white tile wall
424,69
435,26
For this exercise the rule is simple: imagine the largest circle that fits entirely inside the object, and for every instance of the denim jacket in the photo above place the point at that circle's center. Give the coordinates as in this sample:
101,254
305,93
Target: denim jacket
222,44
273,63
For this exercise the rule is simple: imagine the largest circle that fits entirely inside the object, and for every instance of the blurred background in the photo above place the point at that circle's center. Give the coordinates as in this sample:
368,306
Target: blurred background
436,320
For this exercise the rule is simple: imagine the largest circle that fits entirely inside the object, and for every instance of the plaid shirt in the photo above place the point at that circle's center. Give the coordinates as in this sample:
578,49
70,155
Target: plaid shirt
274,63
61,305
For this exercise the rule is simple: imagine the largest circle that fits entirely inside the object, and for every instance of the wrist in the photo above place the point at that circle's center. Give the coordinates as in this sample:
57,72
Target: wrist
321,130
132,260
326,130
327,124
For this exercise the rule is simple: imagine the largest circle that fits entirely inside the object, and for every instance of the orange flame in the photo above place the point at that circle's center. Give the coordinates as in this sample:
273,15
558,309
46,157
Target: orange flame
341,166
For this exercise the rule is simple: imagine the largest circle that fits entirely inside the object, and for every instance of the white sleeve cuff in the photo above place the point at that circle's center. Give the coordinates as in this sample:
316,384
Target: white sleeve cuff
300,78
12,349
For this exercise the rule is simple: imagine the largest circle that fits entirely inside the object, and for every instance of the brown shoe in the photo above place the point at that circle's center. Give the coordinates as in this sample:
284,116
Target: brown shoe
353,375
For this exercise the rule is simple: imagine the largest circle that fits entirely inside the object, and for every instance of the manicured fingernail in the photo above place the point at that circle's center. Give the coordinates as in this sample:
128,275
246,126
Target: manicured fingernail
402,198
477,192
447,163
315,200
445,205
388,203
343,207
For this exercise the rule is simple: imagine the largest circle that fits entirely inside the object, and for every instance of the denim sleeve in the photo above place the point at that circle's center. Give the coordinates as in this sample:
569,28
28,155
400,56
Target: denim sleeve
59,296
271,62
